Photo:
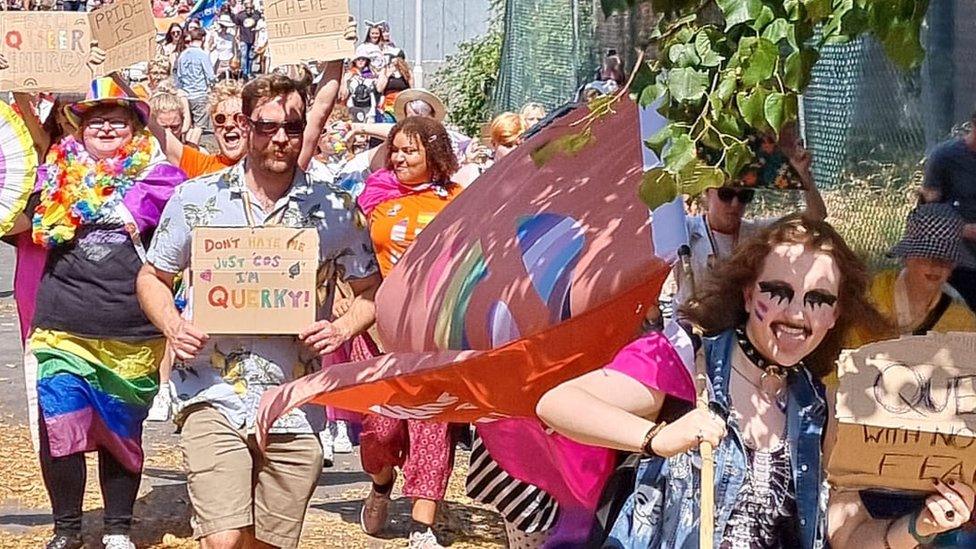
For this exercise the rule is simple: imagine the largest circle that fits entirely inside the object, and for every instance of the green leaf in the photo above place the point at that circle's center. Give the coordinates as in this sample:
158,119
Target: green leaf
764,17
683,55
817,10
703,48
760,64
726,87
793,10
657,187
739,11
650,94
687,84
752,107
779,109
798,69
702,178
737,156
660,138
569,144
728,123
777,30
680,154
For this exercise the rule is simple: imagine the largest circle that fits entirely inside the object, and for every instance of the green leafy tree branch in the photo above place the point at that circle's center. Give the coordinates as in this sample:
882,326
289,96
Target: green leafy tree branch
717,82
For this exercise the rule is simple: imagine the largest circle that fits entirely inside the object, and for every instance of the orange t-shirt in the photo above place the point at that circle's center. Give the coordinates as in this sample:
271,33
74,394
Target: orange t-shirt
395,224
195,163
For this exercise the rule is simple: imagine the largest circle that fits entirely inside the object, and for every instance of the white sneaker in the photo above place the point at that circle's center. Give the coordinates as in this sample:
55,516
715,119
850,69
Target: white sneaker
328,444
424,540
342,444
117,541
161,405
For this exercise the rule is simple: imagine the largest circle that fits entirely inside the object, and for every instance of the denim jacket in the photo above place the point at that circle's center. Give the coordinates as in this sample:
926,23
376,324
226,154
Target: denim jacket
663,511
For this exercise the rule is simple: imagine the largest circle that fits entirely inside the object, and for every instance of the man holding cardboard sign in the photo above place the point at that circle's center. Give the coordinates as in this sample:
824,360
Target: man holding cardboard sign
253,288
905,421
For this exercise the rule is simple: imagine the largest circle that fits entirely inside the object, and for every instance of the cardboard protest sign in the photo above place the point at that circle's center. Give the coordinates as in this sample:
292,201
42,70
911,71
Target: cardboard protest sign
47,51
299,30
254,280
126,30
906,412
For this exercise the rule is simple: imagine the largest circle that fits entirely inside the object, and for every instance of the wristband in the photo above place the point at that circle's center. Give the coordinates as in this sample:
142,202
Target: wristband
649,438
912,524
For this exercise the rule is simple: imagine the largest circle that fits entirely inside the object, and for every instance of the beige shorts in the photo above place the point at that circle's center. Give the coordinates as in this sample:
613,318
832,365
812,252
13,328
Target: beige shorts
224,469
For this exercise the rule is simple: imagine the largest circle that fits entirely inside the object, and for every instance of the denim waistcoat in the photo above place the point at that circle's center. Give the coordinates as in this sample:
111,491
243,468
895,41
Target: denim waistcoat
663,511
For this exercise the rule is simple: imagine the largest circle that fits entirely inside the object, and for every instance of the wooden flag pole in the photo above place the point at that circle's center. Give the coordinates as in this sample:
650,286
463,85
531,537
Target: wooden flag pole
706,533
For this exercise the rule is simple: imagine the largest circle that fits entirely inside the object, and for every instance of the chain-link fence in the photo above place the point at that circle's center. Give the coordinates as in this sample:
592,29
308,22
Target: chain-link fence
867,123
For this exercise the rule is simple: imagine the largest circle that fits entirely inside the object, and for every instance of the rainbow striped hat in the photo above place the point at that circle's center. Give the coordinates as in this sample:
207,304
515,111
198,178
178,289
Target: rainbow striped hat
105,91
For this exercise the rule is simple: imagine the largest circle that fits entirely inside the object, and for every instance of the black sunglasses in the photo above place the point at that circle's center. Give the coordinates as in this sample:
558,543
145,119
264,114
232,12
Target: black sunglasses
293,128
726,194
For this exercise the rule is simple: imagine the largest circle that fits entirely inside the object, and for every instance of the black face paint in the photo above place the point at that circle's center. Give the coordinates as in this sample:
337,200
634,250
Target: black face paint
778,290
819,298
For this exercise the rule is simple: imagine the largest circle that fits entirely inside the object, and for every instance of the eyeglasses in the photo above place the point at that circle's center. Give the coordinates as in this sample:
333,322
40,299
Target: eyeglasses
222,119
293,128
726,194
114,123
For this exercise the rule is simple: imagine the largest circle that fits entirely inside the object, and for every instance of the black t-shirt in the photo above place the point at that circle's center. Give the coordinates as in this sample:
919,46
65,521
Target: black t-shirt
248,33
396,84
89,287
951,169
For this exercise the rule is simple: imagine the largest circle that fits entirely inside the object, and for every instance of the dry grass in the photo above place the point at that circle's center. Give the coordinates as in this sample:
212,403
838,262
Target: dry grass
163,511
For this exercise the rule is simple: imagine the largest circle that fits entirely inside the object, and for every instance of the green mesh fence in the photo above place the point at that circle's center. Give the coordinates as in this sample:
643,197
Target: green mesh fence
868,123
547,54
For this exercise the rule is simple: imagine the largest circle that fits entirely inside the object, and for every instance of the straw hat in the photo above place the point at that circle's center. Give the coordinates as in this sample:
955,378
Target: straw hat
104,91
934,231
415,94
225,21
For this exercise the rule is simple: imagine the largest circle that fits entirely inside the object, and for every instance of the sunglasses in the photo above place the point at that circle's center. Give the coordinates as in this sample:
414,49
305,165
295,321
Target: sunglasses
222,119
726,194
114,123
293,128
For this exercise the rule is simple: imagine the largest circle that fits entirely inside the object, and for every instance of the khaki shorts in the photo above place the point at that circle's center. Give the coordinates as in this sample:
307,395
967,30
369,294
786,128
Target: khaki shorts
224,469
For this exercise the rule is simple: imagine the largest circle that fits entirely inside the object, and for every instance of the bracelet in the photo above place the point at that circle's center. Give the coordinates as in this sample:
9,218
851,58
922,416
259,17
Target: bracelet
649,438
912,525
887,532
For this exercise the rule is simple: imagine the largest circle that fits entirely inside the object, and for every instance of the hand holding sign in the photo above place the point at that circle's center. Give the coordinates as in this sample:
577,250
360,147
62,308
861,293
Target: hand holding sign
96,56
947,510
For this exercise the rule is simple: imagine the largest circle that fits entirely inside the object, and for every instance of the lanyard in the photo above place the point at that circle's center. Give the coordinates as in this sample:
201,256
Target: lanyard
249,216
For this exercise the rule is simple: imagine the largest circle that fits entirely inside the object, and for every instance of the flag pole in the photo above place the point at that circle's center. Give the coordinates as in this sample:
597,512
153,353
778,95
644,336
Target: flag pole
706,533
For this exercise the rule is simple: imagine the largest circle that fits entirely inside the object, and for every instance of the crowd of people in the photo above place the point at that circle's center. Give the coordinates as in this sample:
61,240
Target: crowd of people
354,151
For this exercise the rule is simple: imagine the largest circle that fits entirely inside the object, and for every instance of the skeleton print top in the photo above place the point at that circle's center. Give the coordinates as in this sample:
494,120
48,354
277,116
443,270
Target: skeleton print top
764,515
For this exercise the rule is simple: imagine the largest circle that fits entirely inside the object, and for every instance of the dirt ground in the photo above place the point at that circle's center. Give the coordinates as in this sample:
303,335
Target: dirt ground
162,510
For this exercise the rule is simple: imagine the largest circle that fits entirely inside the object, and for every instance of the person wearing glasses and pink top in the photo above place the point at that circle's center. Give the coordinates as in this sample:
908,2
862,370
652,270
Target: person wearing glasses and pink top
714,235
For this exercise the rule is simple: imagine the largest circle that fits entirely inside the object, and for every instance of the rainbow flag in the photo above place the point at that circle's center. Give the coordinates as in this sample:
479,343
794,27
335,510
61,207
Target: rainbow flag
95,393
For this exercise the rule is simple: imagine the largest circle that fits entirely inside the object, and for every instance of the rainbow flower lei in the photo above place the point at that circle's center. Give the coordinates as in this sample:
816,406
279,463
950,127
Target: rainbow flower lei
77,189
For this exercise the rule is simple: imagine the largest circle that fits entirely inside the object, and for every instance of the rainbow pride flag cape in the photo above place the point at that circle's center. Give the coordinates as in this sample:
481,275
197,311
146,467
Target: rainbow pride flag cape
95,393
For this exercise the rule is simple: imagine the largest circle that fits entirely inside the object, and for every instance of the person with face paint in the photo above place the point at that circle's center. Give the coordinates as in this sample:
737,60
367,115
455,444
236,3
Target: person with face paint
774,316
916,299
714,235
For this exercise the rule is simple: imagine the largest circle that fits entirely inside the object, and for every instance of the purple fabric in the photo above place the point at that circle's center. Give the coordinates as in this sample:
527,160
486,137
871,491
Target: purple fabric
148,196
27,277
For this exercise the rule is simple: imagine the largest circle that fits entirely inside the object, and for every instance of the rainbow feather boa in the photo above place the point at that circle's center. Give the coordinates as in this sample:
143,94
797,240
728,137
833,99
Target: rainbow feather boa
77,189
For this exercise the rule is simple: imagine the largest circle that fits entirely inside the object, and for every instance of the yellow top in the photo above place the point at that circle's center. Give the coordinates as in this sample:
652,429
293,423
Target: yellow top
957,318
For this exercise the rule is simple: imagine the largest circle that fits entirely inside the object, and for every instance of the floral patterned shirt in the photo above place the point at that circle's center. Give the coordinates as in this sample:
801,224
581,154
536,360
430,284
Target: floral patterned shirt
232,372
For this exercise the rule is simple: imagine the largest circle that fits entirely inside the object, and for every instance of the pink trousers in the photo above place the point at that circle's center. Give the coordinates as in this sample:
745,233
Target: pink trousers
424,450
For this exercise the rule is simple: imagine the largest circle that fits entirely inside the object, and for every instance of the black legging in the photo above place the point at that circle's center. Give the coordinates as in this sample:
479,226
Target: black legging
65,477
